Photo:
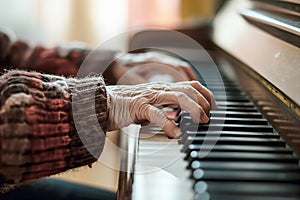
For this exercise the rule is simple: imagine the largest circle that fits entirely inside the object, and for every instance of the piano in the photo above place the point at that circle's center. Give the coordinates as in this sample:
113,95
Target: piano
250,149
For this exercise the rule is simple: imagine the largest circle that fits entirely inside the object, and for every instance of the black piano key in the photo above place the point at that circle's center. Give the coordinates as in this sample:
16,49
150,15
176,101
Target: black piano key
232,134
237,114
236,104
241,156
221,134
246,165
230,99
207,196
238,148
231,89
230,120
241,109
234,96
235,148
226,127
225,89
244,189
249,176
235,140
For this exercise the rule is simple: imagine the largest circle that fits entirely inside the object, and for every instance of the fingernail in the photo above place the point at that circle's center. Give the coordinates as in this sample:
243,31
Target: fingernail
205,119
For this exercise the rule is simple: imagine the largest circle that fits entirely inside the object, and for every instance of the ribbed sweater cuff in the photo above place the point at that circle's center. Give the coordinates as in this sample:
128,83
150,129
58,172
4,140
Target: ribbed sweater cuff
89,124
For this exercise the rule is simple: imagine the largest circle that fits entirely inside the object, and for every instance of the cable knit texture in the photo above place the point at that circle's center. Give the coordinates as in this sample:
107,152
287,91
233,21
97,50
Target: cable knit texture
38,136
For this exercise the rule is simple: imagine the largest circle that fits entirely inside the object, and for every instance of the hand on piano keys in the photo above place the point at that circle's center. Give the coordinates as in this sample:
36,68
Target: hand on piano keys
141,104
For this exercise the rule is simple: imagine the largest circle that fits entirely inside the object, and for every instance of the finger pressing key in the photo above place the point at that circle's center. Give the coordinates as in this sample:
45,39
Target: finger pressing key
183,101
195,95
159,118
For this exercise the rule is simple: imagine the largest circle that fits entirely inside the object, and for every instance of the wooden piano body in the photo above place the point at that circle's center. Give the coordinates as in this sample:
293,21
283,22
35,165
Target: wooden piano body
255,45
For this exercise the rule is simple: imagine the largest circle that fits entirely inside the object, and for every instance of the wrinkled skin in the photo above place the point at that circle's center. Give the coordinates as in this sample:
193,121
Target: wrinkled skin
142,103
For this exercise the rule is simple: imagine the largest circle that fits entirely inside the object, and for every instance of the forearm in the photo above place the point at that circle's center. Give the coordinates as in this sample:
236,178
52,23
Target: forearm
38,133
63,59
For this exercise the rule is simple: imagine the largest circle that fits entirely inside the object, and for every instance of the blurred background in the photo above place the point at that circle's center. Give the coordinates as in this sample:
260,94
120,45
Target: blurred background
50,22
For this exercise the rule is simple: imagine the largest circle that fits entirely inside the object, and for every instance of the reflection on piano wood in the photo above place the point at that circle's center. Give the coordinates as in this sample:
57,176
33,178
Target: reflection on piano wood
256,127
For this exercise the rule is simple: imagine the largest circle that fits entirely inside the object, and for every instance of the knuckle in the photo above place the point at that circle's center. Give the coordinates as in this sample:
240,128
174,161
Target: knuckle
139,104
210,93
196,84
190,88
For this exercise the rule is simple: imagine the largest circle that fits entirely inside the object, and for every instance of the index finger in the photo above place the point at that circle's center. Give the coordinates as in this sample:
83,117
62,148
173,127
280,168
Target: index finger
159,118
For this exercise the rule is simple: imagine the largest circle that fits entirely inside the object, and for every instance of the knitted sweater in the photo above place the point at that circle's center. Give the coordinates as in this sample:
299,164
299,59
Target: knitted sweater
60,60
38,136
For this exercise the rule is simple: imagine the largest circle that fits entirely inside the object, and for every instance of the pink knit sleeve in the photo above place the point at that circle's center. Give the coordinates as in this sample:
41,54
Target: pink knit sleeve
38,134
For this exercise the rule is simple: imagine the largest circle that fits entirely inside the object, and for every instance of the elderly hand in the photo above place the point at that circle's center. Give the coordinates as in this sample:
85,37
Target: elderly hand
135,68
142,103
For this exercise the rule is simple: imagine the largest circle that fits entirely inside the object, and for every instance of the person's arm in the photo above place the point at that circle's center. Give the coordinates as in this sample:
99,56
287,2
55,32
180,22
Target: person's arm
71,58
64,59
38,133
49,123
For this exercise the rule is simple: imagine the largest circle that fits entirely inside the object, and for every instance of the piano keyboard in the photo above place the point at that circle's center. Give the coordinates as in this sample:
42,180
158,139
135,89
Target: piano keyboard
250,149
248,159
